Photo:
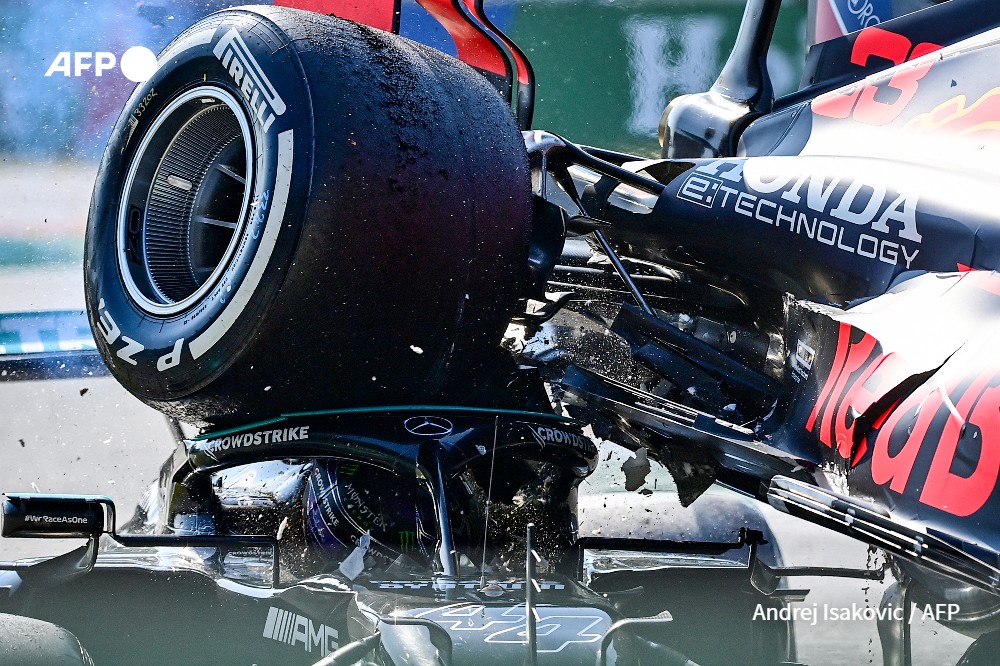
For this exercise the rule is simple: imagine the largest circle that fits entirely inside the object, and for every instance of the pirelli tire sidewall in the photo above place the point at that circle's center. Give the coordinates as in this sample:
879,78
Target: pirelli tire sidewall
184,352
388,243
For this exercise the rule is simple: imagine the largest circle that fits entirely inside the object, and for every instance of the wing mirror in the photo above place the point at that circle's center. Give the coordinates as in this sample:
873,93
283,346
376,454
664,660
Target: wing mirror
31,515
34,516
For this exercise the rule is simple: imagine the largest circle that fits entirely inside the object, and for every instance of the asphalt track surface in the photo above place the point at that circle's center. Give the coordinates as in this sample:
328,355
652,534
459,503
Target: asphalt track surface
88,435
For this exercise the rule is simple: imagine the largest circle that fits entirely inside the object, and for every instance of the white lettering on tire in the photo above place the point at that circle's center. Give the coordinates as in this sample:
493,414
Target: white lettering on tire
131,348
106,325
171,358
243,68
111,332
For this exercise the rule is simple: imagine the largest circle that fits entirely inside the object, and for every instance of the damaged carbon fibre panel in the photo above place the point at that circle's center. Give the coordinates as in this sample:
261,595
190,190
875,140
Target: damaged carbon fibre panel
903,403
888,431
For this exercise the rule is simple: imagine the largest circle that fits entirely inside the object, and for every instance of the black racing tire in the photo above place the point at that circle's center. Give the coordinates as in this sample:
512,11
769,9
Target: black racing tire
298,212
984,651
25,641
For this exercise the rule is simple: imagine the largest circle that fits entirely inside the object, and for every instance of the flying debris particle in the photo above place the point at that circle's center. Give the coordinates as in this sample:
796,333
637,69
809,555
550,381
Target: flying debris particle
353,564
416,350
83,391
281,527
34,486
493,590
22,443
636,469
111,482
267,388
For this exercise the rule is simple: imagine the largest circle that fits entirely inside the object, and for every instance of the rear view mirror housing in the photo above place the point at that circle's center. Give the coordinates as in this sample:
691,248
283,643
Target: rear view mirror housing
33,515
40,516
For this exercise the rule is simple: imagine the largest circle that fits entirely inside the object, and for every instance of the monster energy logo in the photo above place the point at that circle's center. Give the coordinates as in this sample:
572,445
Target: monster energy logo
407,541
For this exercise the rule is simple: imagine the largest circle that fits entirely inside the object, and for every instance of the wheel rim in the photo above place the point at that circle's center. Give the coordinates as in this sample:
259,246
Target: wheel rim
185,203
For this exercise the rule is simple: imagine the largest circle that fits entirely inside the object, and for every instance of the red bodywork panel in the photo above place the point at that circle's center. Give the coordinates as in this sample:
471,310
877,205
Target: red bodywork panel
479,43
381,14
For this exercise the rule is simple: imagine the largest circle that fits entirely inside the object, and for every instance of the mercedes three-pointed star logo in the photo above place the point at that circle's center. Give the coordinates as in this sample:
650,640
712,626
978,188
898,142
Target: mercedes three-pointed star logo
428,426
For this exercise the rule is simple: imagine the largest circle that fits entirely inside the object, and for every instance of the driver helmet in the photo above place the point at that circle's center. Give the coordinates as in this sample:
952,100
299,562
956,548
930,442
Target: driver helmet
346,500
